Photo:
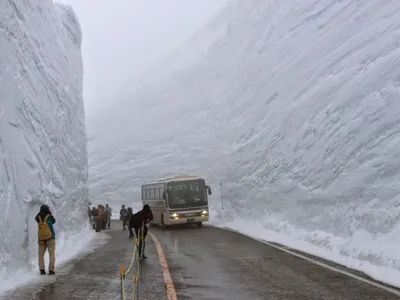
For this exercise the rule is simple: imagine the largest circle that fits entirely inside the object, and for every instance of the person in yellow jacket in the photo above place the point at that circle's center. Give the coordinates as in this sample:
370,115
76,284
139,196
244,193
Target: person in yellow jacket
46,238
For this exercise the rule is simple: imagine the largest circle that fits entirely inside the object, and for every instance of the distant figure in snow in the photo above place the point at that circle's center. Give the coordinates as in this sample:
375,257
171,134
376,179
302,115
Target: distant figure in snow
123,216
130,213
109,214
100,218
139,222
105,220
94,217
94,212
46,238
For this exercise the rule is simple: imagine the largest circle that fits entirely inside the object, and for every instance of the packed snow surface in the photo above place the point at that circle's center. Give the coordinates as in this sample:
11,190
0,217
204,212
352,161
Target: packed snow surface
43,153
294,106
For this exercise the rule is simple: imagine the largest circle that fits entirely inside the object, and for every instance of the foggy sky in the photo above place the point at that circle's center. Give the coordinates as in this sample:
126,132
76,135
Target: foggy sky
122,39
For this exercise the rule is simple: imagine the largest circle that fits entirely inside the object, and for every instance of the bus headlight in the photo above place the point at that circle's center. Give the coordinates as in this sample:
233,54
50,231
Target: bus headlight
204,212
174,215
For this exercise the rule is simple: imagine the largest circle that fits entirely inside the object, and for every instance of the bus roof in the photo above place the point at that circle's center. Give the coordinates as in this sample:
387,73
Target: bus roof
180,178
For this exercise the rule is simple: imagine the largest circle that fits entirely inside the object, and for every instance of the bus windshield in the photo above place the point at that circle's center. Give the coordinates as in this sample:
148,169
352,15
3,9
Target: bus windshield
184,194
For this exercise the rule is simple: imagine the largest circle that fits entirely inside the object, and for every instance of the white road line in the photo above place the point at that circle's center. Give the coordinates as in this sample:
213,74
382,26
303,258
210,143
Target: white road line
321,264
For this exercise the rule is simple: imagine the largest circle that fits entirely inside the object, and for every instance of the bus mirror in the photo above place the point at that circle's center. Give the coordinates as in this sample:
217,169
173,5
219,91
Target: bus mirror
164,196
209,190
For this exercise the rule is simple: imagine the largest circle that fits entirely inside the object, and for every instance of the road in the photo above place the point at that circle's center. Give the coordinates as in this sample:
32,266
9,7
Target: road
211,263
204,263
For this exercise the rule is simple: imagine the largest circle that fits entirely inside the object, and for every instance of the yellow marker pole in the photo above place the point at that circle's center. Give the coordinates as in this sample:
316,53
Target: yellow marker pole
122,272
122,277
138,268
133,286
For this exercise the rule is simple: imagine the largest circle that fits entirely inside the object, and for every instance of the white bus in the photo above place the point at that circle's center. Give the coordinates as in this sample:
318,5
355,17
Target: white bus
178,200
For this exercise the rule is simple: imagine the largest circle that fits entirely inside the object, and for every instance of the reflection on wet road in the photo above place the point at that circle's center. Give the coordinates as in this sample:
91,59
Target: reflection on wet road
211,263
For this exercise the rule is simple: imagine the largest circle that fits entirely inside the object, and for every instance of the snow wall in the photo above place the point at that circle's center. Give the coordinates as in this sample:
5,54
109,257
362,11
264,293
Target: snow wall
43,151
294,106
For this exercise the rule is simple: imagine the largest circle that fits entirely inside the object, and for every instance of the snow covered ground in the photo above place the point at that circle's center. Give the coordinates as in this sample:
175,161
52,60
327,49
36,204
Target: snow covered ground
43,150
294,106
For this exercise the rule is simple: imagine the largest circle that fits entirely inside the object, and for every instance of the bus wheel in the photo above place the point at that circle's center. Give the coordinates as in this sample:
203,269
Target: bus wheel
200,224
163,225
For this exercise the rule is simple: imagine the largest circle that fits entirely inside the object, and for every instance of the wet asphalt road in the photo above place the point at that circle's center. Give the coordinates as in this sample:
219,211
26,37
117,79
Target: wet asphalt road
96,275
210,263
205,263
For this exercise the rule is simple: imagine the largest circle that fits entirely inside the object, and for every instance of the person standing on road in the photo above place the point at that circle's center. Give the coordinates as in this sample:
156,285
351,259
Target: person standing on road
109,213
46,239
105,219
94,217
139,221
100,218
130,213
123,216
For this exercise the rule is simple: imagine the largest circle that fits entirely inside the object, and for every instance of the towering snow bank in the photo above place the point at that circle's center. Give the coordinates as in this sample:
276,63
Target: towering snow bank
117,143
296,109
43,155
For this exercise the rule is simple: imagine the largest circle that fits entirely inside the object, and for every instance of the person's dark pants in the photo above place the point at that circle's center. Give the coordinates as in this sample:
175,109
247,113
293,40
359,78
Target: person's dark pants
142,240
99,224
131,235
109,222
124,224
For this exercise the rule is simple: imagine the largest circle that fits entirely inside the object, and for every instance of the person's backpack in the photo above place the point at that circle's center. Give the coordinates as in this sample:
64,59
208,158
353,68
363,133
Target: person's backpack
44,232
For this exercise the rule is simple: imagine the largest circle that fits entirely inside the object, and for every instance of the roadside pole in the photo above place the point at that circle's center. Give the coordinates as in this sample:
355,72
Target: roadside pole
222,197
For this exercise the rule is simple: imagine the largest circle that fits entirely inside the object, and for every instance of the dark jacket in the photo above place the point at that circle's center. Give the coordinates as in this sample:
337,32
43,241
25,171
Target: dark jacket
106,216
123,213
130,213
100,212
94,212
44,211
140,218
